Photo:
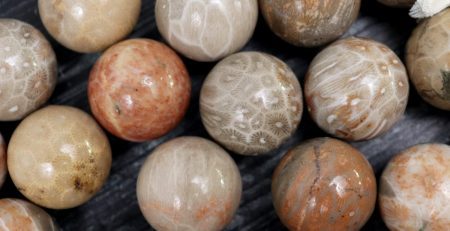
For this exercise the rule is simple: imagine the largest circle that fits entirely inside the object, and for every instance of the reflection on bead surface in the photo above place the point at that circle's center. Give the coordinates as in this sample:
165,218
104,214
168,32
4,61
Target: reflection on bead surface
206,30
139,89
58,157
251,102
19,215
398,3
86,25
324,184
3,168
428,60
27,69
356,89
309,23
189,183
414,189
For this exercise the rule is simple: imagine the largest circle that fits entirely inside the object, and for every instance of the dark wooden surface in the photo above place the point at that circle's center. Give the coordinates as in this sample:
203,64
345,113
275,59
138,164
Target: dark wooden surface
115,206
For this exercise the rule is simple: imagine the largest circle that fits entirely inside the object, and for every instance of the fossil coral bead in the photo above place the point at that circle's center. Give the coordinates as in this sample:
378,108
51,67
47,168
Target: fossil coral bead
189,183
58,157
27,69
356,89
251,102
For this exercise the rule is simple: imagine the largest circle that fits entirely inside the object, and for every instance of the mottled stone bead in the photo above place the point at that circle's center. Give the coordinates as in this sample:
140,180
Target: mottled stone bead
414,189
189,183
398,3
139,89
324,184
3,167
428,60
356,89
58,157
205,30
27,69
309,23
19,215
89,26
251,102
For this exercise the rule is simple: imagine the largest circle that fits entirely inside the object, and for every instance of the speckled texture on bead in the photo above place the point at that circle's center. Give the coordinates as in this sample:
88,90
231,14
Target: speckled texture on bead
206,30
309,23
398,3
251,102
3,167
324,184
27,69
86,25
58,157
428,60
139,89
189,183
414,189
356,89
19,215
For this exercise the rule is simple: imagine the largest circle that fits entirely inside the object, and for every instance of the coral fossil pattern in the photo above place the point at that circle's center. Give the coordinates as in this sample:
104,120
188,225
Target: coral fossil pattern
324,184
189,183
356,89
428,60
251,102
19,215
58,157
27,69
414,189
206,30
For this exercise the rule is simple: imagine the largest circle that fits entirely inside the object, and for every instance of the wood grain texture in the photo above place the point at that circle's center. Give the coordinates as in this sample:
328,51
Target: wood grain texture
116,208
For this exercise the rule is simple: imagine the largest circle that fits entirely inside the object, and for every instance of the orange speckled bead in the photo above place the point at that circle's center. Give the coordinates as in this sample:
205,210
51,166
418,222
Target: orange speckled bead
3,168
324,184
58,157
19,215
139,89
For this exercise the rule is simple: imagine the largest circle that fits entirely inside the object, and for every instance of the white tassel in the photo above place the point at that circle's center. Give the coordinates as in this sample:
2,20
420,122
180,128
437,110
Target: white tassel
428,8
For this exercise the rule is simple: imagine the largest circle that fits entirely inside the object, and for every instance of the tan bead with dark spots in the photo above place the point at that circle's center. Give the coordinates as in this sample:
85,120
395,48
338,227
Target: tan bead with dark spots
89,26
356,89
58,157
3,167
398,3
324,184
415,189
189,183
428,60
20,215
27,69
309,23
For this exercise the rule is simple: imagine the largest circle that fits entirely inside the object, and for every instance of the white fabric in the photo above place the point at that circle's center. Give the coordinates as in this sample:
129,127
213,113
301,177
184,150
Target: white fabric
428,8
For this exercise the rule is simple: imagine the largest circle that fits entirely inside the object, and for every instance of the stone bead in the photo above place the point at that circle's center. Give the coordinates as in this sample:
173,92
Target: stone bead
324,184
398,3
89,26
189,183
309,23
251,102
356,89
428,60
414,189
3,167
19,215
139,89
27,69
58,157
205,30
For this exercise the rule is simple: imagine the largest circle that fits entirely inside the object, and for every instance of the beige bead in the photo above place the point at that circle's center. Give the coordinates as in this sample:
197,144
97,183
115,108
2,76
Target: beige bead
189,183
58,157
206,30
356,89
27,69
19,215
251,102
428,60
89,26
